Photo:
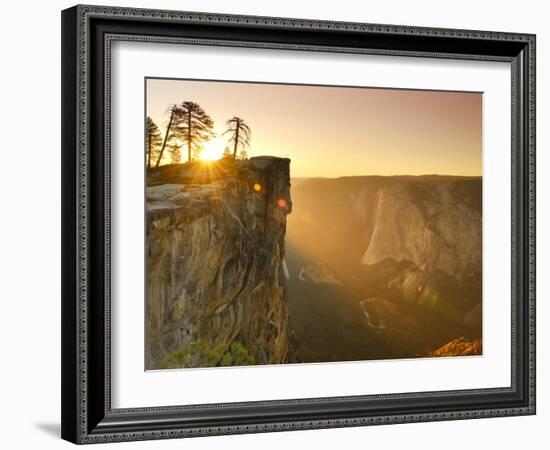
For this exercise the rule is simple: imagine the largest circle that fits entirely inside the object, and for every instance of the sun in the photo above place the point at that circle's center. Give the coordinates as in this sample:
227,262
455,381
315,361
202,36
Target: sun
212,150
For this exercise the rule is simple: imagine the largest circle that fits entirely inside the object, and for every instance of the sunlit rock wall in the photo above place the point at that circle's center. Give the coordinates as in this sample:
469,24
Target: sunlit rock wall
215,249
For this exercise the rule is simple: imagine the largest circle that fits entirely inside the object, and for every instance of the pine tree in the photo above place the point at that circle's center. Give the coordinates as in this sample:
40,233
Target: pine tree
239,133
226,153
175,151
153,141
243,154
192,126
167,135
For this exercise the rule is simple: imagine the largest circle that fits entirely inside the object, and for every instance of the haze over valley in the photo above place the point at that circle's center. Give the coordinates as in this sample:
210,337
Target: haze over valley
383,267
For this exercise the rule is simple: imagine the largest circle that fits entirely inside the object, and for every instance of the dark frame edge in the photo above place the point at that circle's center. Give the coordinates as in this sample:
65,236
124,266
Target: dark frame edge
524,120
529,191
69,285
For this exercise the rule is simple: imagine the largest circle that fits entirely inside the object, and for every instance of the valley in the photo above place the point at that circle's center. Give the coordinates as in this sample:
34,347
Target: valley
383,267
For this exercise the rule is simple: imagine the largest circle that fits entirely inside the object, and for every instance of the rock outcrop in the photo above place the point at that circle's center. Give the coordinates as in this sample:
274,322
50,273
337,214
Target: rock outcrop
318,273
459,347
215,249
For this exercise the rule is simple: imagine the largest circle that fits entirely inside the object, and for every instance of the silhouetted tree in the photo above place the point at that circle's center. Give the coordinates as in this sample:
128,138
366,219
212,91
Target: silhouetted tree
153,141
174,149
239,133
192,126
243,154
226,153
173,114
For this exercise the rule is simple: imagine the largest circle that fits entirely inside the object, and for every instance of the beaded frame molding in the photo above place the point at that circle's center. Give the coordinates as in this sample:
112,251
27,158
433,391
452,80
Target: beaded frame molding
87,35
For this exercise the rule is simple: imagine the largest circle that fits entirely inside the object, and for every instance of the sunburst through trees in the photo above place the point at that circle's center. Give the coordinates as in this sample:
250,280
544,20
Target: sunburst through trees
189,131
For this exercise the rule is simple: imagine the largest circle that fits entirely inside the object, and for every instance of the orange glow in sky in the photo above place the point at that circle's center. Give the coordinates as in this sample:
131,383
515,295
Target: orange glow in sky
339,131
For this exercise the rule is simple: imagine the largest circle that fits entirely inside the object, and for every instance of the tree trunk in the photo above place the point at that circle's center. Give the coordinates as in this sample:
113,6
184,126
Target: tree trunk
149,151
165,137
236,142
189,137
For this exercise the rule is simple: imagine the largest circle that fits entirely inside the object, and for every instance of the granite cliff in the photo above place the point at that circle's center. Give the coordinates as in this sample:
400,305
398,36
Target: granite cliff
216,292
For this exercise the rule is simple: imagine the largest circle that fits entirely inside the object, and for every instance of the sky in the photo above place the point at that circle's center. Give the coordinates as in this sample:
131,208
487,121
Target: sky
339,131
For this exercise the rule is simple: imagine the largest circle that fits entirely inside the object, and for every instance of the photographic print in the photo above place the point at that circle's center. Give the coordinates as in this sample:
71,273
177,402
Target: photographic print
288,204
291,223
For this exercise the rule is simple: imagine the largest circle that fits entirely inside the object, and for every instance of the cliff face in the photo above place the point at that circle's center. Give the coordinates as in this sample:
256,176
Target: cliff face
215,248
438,231
433,227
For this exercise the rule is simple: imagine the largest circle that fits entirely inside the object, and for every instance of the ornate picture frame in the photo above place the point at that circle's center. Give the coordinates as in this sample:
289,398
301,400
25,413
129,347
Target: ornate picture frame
88,33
